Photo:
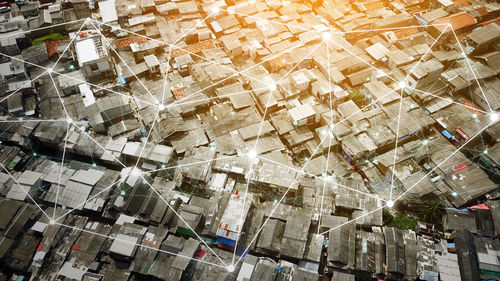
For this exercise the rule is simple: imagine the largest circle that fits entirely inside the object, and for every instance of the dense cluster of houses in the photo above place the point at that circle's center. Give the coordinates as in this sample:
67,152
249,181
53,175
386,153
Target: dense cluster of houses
249,140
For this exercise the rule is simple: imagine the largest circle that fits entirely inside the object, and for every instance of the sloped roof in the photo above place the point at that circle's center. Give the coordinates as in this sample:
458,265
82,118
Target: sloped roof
457,21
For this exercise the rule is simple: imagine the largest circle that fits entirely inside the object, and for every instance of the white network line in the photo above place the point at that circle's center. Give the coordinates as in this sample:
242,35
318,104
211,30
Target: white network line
400,107
61,169
257,140
24,85
138,244
449,100
88,200
219,97
446,159
26,192
313,153
231,11
237,73
307,162
41,28
190,164
59,96
32,120
396,145
472,70
329,136
74,79
69,44
147,172
123,61
416,183
353,220
150,131
324,180
147,138
159,195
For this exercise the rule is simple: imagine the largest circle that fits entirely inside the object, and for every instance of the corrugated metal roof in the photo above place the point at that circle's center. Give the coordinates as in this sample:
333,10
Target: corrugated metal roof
457,21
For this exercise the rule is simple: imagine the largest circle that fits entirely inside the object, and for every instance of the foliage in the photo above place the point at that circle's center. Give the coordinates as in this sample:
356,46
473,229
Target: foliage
52,36
343,213
357,97
387,216
404,222
432,211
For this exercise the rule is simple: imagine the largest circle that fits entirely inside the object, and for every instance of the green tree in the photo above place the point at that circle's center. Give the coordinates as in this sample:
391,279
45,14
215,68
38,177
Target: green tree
404,222
432,211
357,97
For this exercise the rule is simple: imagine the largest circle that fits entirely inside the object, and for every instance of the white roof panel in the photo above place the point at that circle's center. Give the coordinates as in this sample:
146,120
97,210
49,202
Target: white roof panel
108,11
74,195
86,50
123,245
87,94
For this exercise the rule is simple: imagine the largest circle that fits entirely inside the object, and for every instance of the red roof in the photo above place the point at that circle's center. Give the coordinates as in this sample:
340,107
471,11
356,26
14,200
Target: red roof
193,48
51,46
480,206
463,3
404,32
495,20
123,43
457,21
179,93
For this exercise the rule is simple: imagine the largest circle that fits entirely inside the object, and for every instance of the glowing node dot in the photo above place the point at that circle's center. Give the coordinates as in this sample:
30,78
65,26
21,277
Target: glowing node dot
52,222
323,132
381,72
402,84
485,151
252,154
69,120
494,116
161,106
163,166
34,154
215,10
425,142
94,165
474,115
272,87
230,268
454,194
135,172
122,193
390,203
326,36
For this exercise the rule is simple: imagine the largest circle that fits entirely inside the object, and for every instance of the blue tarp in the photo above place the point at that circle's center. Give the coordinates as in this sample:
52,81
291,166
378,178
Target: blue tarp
226,241
122,80
447,134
